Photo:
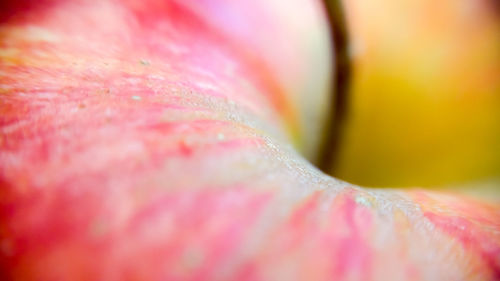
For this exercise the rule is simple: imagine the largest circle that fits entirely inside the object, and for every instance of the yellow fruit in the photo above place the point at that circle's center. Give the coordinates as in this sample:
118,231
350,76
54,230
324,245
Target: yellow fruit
424,96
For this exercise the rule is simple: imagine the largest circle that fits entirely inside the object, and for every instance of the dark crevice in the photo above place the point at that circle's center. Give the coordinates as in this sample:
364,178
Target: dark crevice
341,79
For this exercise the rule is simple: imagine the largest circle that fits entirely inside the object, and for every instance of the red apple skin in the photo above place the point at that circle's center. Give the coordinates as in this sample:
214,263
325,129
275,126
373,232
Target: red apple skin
139,142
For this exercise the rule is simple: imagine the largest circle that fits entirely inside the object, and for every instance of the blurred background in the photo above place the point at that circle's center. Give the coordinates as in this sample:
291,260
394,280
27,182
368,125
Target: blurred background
422,101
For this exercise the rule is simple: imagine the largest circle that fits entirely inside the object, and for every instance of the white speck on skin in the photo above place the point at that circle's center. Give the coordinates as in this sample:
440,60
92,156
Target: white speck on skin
136,98
144,62
362,201
206,85
220,136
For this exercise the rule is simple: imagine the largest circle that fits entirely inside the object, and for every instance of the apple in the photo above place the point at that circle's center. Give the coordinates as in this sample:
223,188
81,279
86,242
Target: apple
149,140
423,101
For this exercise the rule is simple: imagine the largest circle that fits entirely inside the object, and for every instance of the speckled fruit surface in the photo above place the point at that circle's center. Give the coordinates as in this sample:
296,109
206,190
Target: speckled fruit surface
139,140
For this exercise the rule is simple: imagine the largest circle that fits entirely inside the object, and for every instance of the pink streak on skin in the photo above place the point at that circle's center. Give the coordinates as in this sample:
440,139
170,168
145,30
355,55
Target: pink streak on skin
330,244
353,253
474,223
188,234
